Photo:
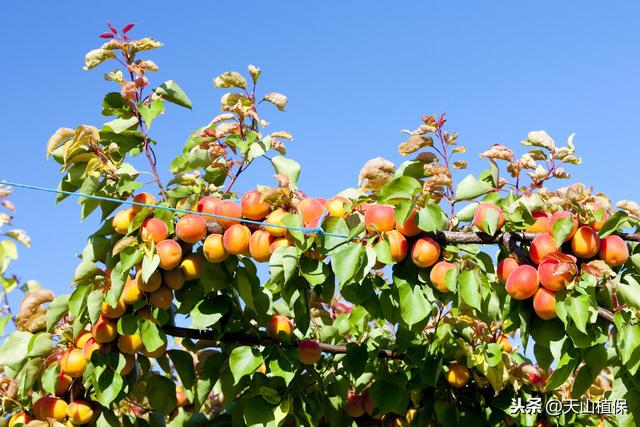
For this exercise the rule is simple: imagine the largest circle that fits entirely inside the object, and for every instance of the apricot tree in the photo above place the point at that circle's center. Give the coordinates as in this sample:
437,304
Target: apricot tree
409,300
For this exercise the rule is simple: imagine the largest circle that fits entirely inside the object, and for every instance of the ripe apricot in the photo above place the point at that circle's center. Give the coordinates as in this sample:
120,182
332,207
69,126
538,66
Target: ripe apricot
555,275
181,397
62,384
129,364
505,268
154,229
173,279
20,418
505,342
276,217
339,206
311,209
544,304
152,284
228,209
486,216
51,407
79,412
104,330
208,205
253,207
597,224
280,323
82,338
213,248
131,293
397,244
425,252
114,312
145,198
309,352
192,266
354,407
89,347
410,227
541,246
191,228
380,218
170,253
156,353
614,251
122,220
438,274
260,246
129,344
162,298
523,282
585,243
279,243
541,224
562,214
236,239
73,363
458,375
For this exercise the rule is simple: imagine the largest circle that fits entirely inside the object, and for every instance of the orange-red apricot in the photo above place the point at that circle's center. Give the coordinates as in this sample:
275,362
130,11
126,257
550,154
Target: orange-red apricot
339,206
170,253
505,268
191,228
541,246
154,229
380,218
585,242
438,275
398,245
563,214
425,252
541,224
236,239
481,216
523,282
228,209
260,246
213,248
253,207
544,304
614,251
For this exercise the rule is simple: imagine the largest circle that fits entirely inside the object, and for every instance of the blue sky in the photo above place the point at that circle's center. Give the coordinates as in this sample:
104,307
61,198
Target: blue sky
356,73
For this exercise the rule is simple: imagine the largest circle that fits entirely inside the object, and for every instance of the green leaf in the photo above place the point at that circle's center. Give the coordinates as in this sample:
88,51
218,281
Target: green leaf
346,261
561,229
471,187
209,311
431,218
15,349
170,91
389,396
40,345
119,125
94,304
469,285
288,167
161,392
50,378
613,223
400,188
356,359
183,363
565,368
244,360
466,214
257,411
152,337
413,304
581,311
77,300
150,112
56,310
149,266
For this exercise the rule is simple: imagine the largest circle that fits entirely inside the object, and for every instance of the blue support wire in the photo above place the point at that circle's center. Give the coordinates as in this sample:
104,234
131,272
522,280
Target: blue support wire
306,230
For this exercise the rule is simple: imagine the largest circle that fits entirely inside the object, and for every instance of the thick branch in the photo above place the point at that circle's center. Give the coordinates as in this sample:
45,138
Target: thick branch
240,338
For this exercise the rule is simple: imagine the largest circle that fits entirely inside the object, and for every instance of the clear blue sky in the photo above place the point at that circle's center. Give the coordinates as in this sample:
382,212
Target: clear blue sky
355,72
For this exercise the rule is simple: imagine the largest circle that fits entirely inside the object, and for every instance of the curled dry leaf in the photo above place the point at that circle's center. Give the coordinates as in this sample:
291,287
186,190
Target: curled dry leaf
254,72
561,173
414,143
540,138
230,79
4,191
462,164
60,136
427,157
20,236
630,207
282,134
114,76
422,130
32,315
460,149
526,161
8,387
376,173
282,180
221,118
8,204
538,174
277,99
146,43
597,268
96,57
498,151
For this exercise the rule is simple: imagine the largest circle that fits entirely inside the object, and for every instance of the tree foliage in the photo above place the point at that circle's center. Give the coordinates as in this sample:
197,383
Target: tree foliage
399,302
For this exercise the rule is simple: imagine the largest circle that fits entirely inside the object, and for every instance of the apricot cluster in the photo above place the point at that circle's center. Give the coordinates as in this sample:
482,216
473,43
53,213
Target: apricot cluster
554,269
